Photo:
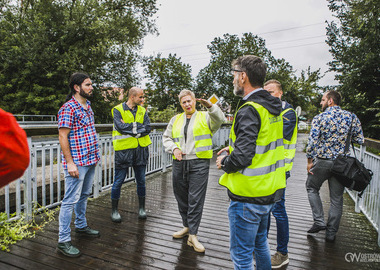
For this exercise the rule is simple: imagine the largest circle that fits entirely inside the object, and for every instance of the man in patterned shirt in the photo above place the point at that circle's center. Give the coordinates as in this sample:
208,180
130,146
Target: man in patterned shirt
327,140
80,153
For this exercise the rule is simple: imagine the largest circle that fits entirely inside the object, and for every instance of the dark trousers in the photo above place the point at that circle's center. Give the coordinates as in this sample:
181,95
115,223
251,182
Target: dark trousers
120,175
190,179
322,172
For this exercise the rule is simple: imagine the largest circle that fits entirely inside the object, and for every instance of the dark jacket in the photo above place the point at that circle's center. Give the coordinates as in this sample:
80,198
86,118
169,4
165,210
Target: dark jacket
290,120
247,126
130,157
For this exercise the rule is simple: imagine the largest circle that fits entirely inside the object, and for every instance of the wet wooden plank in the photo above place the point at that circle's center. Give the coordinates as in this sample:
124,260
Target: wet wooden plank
137,244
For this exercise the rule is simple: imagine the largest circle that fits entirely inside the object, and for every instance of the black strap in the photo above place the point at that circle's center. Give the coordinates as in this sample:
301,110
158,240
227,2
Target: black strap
348,140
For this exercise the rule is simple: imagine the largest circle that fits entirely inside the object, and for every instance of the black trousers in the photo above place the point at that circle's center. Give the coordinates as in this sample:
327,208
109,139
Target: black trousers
190,179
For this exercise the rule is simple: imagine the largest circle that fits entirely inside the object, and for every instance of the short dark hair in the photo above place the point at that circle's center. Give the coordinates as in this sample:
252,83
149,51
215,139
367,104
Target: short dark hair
335,96
133,91
253,66
76,78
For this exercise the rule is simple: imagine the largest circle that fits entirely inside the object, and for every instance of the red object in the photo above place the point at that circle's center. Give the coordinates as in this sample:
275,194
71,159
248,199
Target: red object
14,149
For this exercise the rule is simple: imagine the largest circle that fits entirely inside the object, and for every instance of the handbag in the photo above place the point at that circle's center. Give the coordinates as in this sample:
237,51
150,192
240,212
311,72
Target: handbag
349,171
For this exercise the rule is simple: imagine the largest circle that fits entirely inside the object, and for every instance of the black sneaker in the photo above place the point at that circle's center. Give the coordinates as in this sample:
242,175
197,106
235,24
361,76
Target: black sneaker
87,231
330,238
67,249
316,228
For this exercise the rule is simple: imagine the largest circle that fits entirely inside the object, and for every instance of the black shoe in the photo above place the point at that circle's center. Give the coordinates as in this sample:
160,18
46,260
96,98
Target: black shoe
330,239
87,231
316,228
67,249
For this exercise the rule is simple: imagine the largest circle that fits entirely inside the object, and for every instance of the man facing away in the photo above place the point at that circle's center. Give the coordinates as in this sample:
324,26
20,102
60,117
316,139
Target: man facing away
289,118
254,169
80,151
130,138
327,140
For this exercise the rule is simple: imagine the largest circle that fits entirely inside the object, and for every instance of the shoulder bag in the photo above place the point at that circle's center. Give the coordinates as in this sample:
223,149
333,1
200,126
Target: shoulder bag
349,171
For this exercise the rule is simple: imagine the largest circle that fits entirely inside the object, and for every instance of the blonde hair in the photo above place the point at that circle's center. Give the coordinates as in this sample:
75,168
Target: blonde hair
274,82
184,93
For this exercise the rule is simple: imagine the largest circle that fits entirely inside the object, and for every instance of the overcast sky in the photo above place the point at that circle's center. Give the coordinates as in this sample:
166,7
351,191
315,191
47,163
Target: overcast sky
294,30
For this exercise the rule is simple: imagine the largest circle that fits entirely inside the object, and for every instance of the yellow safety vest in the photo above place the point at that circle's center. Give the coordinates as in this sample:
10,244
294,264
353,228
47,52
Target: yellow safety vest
201,134
266,174
290,146
122,142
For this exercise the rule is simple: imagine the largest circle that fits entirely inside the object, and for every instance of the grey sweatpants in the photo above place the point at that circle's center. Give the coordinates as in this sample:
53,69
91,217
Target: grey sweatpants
190,179
322,172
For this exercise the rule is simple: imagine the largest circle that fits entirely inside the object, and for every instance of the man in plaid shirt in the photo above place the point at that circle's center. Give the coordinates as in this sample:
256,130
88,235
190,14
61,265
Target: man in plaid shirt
80,153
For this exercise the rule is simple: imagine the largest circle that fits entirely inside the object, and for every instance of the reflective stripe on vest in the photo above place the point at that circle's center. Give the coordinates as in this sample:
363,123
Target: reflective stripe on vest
201,134
263,170
266,174
122,142
290,146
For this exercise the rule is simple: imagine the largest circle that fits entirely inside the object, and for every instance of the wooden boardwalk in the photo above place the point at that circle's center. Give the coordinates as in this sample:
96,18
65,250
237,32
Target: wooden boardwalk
136,244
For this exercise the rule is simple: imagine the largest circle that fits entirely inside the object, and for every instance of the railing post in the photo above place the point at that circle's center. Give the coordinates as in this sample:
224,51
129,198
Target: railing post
96,181
98,174
163,160
362,152
378,230
357,203
28,186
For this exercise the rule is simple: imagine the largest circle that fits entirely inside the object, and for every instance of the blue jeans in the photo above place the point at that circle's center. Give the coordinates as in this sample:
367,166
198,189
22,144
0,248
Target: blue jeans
120,175
279,212
248,233
77,191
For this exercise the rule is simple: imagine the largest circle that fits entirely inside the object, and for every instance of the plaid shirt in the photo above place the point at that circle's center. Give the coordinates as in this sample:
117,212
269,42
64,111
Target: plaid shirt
82,137
329,131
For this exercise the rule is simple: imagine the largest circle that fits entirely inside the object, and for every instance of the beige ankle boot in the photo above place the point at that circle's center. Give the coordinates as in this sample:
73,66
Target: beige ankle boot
182,233
193,242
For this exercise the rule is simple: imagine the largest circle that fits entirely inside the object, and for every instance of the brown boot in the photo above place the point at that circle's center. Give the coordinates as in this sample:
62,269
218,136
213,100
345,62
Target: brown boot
182,233
193,242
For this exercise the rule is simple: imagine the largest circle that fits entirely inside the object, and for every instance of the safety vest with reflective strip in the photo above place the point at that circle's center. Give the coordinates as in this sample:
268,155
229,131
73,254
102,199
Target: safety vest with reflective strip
201,134
122,142
266,174
290,146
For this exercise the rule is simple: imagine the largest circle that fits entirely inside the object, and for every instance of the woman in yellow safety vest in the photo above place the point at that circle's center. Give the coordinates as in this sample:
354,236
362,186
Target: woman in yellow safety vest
188,137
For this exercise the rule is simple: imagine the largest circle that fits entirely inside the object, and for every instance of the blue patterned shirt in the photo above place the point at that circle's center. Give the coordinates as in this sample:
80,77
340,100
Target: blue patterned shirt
329,131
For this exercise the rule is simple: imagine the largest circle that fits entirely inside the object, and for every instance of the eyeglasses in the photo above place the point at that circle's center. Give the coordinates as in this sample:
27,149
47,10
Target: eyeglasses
235,70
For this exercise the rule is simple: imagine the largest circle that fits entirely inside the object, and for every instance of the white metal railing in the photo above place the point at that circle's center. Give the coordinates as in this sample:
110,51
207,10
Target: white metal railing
42,184
369,204
25,117
302,126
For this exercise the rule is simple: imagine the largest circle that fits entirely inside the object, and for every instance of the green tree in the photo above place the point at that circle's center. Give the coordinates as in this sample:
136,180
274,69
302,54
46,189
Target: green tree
354,45
166,78
163,116
304,91
216,77
42,42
